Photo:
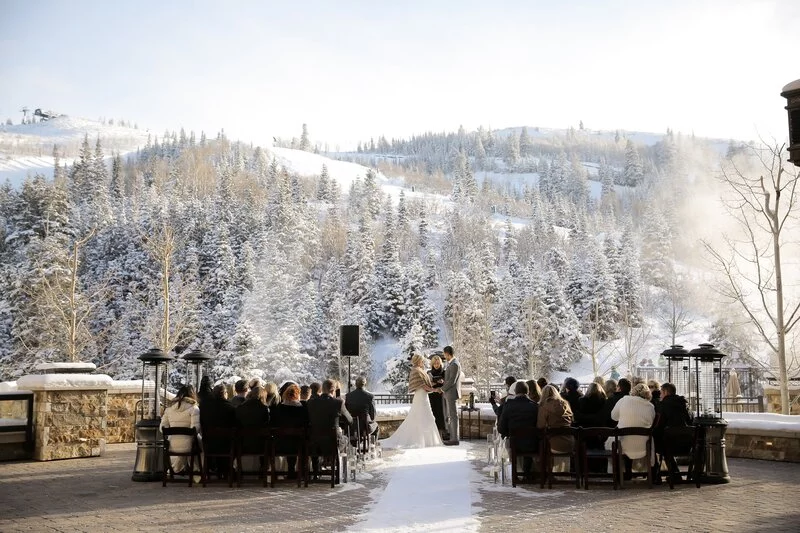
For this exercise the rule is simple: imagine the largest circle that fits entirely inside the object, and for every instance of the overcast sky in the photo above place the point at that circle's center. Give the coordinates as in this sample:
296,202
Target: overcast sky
355,69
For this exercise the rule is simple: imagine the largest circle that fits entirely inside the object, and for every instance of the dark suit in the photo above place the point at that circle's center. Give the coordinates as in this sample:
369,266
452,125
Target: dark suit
361,401
323,414
520,412
237,400
252,414
217,413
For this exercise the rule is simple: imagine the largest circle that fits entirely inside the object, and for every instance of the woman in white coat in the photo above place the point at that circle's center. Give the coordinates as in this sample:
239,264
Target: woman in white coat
182,412
634,411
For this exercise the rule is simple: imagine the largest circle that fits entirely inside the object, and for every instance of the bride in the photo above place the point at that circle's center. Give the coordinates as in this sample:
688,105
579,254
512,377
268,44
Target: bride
418,430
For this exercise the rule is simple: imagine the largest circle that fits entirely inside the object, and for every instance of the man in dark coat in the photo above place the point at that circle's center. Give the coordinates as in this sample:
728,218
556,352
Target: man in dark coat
217,412
360,400
240,388
673,411
323,414
520,412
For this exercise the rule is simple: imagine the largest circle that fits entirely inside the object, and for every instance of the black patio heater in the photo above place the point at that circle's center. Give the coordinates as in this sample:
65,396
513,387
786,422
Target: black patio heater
697,376
196,367
148,465
792,94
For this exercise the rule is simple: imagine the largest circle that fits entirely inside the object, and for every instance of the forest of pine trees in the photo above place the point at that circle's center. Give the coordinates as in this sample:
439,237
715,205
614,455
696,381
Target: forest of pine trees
259,266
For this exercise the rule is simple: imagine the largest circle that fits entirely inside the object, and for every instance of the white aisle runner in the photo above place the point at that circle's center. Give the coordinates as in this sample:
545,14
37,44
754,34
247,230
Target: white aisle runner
428,489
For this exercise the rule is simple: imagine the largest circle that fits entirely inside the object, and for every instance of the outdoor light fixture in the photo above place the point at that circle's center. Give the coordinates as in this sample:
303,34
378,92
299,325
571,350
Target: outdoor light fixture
792,94
196,367
148,465
697,376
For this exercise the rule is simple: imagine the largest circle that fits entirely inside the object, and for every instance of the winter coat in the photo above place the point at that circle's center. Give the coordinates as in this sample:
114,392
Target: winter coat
555,413
185,415
519,413
590,412
417,379
633,412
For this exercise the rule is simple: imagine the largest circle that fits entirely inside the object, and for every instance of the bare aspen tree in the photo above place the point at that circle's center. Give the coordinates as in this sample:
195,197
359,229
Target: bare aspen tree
68,306
752,265
633,339
674,314
176,302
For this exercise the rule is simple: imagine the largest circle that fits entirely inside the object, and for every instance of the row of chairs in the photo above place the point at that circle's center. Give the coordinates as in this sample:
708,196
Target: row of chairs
267,446
680,445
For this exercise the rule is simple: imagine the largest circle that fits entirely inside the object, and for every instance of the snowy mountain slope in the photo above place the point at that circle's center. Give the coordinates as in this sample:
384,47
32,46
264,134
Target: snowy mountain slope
26,149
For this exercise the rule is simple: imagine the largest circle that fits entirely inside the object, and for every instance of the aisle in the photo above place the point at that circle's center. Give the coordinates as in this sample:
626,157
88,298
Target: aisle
427,490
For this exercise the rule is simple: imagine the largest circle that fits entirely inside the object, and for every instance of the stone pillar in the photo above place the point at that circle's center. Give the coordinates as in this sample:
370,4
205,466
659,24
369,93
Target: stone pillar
121,420
69,418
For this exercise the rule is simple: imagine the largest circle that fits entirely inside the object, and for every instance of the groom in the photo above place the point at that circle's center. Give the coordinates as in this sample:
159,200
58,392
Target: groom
451,392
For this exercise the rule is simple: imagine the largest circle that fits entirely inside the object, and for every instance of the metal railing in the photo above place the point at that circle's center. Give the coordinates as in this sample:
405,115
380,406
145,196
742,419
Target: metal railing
387,398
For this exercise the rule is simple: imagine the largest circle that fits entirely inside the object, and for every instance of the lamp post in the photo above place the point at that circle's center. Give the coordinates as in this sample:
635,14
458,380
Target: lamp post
196,367
792,94
148,465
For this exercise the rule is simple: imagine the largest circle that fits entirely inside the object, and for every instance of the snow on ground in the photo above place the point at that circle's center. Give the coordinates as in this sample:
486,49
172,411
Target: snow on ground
428,489
310,164
763,421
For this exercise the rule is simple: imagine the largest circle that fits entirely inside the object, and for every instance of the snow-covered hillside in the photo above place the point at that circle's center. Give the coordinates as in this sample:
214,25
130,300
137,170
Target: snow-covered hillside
26,149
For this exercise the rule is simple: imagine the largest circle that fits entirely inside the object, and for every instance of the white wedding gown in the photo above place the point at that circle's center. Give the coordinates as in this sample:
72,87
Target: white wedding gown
418,430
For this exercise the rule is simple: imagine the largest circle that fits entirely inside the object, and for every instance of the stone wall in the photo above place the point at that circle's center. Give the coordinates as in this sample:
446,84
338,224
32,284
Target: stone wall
69,423
764,444
121,416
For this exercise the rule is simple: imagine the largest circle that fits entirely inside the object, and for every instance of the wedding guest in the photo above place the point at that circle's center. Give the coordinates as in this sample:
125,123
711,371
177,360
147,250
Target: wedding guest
253,414
497,407
519,412
181,413
292,414
315,388
573,394
591,407
324,413
305,394
241,391
205,391
542,382
634,410
554,412
655,392
534,392
623,390
673,411
359,400
217,412
436,374
272,398
610,387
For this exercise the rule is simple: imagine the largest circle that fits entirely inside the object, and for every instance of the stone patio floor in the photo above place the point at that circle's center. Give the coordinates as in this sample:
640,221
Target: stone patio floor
97,494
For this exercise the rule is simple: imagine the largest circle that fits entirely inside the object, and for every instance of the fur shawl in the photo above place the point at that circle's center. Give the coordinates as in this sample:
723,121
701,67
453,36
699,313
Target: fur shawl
417,379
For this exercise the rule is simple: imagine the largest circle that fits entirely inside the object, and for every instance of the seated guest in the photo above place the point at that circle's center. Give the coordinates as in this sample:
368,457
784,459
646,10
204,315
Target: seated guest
655,392
507,392
181,413
241,391
534,392
283,388
217,412
290,413
590,407
324,413
315,388
359,400
673,411
599,380
623,390
573,394
634,410
205,392
542,382
305,394
271,396
610,386
555,412
519,412
253,414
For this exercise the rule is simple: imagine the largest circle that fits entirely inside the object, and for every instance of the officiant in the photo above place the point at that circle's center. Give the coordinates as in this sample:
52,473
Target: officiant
436,374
